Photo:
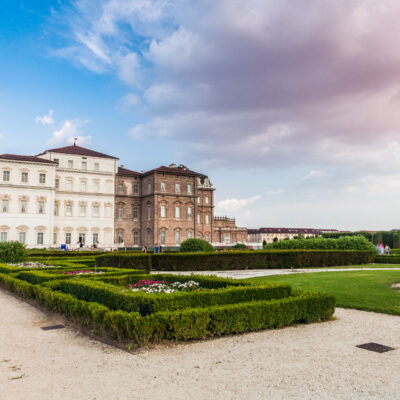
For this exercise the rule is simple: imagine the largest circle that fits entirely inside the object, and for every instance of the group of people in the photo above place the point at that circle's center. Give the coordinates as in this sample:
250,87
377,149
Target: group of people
157,249
382,249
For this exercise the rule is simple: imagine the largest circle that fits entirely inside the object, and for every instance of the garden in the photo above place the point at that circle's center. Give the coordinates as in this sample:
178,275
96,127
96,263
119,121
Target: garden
135,308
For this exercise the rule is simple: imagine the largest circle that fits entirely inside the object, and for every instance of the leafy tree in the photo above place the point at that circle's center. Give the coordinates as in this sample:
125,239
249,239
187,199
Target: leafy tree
239,246
12,252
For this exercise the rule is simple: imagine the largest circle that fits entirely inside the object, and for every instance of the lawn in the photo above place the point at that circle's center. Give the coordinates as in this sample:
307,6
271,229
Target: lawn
363,290
376,265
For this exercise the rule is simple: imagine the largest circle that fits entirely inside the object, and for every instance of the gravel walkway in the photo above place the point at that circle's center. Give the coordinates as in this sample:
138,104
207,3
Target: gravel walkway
253,273
318,361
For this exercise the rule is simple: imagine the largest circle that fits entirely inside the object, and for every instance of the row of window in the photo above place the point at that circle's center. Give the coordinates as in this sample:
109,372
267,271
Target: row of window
82,212
84,166
24,177
163,213
163,233
23,206
83,185
22,237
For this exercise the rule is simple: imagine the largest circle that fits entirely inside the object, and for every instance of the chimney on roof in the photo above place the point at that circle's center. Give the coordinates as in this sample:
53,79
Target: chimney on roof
122,166
172,165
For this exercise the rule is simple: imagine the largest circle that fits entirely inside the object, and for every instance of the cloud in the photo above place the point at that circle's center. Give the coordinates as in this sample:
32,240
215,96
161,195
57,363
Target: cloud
312,175
47,119
70,129
273,192
236,204
129,102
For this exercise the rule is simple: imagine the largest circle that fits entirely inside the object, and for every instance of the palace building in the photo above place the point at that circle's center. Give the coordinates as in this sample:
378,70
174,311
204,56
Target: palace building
73,195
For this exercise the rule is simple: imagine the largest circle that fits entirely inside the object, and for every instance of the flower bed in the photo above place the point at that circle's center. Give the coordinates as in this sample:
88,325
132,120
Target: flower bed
35,265
163,286
81,272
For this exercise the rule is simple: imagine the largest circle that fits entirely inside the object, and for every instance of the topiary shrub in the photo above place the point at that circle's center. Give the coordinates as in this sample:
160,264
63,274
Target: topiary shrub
239,246
12,252
195,245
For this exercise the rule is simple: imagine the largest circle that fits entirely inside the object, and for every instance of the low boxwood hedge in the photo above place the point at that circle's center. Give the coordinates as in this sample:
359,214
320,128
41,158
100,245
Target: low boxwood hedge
387,259
184,324
147,303
233,260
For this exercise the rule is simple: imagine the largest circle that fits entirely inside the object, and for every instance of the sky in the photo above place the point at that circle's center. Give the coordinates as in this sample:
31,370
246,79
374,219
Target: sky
290,107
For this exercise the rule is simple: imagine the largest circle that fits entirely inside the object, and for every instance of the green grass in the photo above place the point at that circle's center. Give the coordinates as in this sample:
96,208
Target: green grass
362,290
367,266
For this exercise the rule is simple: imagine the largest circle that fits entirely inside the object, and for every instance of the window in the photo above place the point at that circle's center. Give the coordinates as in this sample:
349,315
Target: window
148,236
42,178
41,207
6,176
84,165
67,238
198,199
24,177
4,205
149,213
149,187
82,238
57,160
108,211
120,188
24,206
83,186
198,218
3,236
135,213
70,164
56,210
199,235
39,238
227,238
135,238
82,210
68,210
189,188
189,212
120,212
96,186
177,237
190,234
207,237
96,166
206,199
163,186
55,238
95,238
22,237
120,237
57,183
135,189
163,213
177,187
162,237
177,212
207,219
96,211
69,184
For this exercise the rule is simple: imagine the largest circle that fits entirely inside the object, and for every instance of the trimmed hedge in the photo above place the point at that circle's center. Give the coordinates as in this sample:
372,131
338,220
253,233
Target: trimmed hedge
192,323
387,259
148,303
236,260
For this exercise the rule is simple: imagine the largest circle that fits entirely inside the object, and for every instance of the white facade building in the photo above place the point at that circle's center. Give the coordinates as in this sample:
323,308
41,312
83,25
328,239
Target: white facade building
27,193
72,204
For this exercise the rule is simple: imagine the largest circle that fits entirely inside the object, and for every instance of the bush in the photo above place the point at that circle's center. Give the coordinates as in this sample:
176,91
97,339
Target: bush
12,252
195,245
239,246
341,243
237,260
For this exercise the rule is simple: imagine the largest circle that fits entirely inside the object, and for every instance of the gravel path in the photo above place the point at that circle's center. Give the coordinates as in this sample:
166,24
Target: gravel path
318,361
253,273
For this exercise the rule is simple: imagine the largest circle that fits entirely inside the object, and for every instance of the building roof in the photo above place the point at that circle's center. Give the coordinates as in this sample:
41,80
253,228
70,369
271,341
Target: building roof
15,157
79,151
285,230
127,172
181,170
